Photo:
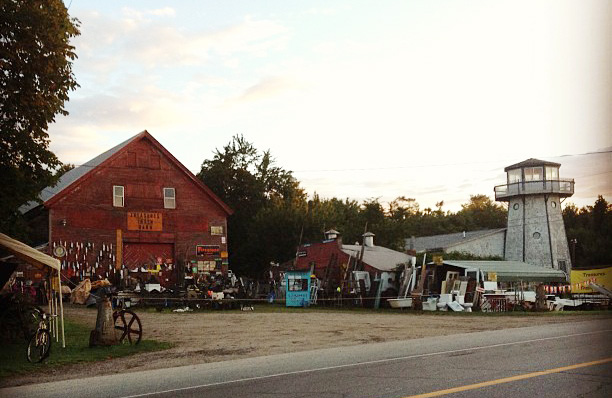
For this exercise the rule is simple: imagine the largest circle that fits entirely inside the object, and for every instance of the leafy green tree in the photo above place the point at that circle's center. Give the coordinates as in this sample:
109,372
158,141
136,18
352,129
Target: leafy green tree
372,213
35,78
402,208
324,214
481,213
589,233
251,184
273,215
63,169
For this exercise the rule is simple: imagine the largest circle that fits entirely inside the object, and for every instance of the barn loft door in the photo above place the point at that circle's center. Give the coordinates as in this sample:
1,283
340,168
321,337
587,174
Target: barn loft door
141,254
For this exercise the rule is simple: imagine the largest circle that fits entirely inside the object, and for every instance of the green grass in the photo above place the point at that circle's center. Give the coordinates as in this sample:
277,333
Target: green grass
13,356
264,307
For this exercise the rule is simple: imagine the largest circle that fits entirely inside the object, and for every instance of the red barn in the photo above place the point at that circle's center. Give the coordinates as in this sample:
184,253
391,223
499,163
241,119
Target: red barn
135,208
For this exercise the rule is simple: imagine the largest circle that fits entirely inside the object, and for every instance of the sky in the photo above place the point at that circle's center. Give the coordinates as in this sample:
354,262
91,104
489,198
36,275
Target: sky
427,99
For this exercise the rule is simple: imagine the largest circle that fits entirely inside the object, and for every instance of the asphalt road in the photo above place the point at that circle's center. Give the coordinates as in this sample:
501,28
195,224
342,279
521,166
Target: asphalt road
563,360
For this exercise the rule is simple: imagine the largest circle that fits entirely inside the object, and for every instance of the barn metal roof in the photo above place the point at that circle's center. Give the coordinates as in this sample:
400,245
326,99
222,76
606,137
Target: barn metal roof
425,243
512,271
71,176
378,257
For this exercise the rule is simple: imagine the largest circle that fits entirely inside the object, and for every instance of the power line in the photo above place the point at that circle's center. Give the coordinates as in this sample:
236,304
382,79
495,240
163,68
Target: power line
441,165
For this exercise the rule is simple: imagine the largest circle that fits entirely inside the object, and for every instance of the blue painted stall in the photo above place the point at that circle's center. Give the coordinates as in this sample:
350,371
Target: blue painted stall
297,288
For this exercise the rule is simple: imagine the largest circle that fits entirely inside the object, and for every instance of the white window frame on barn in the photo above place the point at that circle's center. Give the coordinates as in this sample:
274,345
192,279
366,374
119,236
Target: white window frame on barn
169,198
118,196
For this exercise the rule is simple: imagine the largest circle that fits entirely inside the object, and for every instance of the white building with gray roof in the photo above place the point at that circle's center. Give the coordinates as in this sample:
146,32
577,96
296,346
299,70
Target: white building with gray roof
483,243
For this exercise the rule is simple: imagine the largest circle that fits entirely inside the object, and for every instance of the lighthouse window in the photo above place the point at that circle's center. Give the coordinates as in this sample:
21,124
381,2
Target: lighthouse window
533,174
552,173
514,176
536,235
553,204
516,206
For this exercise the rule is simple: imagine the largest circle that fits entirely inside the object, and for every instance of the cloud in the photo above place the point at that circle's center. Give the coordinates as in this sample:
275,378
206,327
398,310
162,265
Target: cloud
166,11
134,41
427,87
99,120
158,44
141,15
321,11
265,88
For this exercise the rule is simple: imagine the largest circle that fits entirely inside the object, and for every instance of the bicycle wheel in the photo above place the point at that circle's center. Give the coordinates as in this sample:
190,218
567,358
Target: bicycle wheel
39,346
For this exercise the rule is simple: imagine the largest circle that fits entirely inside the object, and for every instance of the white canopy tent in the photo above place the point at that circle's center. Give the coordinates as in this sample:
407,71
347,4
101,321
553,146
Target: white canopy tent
42,261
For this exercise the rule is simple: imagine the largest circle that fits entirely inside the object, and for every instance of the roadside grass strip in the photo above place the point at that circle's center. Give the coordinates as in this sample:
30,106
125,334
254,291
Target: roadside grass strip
13,355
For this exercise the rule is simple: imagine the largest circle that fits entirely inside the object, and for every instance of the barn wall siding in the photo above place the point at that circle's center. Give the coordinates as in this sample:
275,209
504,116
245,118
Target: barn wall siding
85,213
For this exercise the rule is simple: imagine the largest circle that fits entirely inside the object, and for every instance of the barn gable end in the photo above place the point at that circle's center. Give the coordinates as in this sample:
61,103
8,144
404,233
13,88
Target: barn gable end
132,208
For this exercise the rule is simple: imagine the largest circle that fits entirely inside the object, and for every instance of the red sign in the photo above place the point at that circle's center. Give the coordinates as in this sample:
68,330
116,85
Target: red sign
207,250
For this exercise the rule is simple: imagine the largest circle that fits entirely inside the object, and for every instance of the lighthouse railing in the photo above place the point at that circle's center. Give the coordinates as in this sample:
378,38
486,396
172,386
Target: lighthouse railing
564,187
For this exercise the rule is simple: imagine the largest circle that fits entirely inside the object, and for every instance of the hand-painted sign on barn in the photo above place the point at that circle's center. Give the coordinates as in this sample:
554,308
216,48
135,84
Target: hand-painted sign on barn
143,221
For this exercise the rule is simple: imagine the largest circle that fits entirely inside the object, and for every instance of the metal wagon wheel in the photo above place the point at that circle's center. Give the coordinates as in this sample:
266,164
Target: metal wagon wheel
130,326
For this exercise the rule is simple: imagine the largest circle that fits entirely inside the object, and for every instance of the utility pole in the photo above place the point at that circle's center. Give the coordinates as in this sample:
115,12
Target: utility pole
573,242
365,229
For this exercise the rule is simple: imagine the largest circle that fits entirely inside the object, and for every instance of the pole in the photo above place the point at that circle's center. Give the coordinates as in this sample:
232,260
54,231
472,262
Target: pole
298,248
50,291
59,275
55,321
365,229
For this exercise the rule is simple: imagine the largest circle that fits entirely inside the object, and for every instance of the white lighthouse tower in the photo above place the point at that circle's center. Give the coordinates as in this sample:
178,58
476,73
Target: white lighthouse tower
536,233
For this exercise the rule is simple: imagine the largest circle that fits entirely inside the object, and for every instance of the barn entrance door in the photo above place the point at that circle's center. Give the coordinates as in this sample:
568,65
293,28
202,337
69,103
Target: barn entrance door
139,255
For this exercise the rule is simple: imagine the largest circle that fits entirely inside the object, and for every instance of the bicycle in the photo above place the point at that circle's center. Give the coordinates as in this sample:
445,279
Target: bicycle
39,346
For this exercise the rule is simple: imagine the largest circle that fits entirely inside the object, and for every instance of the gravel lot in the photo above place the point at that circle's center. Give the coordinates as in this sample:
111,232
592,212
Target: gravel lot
202,337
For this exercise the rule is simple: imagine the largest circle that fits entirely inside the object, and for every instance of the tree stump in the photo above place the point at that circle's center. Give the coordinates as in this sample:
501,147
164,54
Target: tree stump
104,333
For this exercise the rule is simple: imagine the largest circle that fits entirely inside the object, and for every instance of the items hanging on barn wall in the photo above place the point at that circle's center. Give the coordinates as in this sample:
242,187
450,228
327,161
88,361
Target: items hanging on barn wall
80,260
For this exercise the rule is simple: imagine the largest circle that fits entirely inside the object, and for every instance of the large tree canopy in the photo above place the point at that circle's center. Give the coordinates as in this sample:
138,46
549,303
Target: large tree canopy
258,191
273,215
35,78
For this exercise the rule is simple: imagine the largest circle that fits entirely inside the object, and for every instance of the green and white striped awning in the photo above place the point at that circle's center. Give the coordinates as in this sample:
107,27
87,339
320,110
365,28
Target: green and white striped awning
512,271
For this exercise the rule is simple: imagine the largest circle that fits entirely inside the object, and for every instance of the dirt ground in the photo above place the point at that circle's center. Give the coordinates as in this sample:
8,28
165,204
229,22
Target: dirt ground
202,337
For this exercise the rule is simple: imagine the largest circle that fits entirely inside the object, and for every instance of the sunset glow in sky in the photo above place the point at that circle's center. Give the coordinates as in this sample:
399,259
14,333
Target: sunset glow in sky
361,99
